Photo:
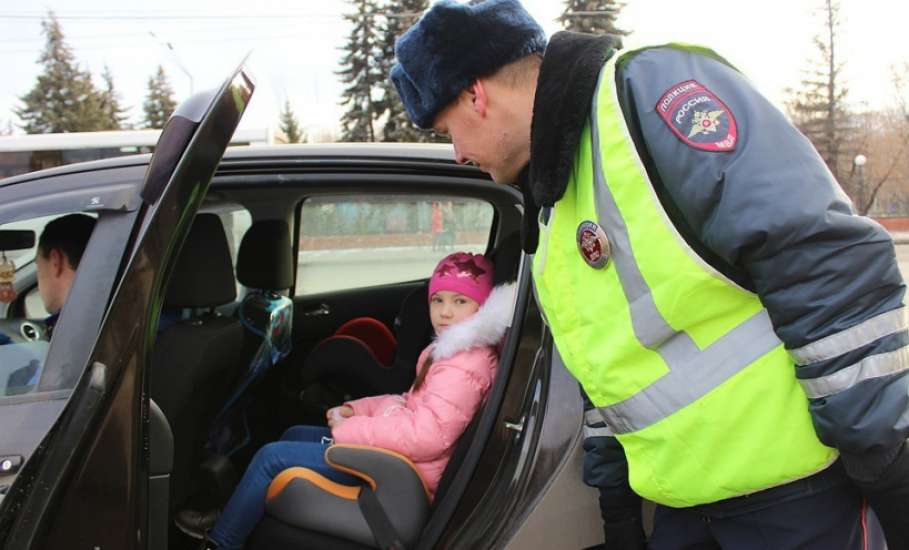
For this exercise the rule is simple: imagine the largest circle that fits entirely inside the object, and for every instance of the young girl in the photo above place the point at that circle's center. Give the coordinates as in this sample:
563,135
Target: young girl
454,373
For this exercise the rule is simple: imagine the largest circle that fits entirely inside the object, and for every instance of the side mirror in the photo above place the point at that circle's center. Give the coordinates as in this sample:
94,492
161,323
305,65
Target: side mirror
16,239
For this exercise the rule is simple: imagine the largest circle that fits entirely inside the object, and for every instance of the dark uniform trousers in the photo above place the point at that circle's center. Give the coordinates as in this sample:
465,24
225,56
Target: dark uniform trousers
821,512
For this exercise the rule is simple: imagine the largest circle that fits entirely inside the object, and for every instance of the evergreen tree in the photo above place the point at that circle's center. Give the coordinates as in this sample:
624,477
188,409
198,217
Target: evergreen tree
289,124
400,15
818,108
592,16
114,112
64,99
361,73
159,102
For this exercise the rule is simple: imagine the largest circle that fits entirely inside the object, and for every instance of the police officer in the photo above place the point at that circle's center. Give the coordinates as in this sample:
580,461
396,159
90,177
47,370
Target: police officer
740,332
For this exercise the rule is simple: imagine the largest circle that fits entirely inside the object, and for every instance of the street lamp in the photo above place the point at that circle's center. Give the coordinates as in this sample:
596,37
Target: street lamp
170,47
858,164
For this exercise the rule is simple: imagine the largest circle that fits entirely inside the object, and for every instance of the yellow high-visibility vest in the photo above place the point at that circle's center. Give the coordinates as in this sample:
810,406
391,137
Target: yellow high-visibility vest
682,364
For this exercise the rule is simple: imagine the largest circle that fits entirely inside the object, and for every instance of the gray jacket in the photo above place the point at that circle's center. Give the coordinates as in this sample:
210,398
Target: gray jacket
768,215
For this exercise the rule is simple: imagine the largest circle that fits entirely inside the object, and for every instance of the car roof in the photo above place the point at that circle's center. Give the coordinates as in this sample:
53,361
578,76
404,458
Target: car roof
426,152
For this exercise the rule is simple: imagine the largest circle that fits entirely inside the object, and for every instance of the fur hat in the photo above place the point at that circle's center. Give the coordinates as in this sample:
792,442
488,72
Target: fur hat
464,273
455,43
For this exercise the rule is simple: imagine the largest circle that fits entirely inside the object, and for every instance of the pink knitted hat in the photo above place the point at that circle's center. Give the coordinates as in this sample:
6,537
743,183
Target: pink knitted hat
463,272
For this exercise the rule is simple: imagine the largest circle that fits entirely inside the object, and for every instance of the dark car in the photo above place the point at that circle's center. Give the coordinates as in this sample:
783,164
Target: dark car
156,387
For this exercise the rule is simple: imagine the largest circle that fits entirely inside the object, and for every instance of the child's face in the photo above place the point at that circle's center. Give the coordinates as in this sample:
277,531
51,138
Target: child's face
447,308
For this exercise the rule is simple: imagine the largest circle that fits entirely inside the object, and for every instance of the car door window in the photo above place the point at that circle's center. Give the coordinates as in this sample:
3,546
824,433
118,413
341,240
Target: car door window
348,242
27,327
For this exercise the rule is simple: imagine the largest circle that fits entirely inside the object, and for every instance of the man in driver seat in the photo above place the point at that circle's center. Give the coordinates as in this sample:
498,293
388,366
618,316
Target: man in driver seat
60,249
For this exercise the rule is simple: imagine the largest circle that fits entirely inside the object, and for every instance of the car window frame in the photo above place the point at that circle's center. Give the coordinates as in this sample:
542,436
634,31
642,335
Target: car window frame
93,283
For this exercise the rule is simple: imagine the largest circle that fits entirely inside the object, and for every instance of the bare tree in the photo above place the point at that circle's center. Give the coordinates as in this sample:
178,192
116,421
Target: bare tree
818,108
884,144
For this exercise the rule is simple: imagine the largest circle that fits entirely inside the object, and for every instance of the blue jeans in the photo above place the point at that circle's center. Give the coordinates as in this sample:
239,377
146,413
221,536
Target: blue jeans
299,446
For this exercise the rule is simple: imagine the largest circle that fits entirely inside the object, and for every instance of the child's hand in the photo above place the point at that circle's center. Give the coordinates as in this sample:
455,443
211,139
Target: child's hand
337,415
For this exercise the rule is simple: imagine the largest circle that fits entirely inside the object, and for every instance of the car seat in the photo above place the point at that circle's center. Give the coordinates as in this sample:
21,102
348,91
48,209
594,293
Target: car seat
197,350
356,357
265,267
363,357
391,508
307,511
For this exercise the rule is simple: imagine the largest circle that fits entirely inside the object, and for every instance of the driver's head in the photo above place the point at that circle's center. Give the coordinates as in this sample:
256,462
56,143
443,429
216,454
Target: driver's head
470,71
60,249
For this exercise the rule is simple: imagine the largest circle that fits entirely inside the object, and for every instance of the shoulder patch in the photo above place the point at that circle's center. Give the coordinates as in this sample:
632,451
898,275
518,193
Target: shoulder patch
698,117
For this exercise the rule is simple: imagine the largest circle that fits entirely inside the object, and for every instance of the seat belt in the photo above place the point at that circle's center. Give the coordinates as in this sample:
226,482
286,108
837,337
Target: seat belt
384,532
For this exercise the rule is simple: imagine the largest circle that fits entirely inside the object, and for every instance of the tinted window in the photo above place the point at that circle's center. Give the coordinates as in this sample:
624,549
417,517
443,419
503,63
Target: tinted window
359,242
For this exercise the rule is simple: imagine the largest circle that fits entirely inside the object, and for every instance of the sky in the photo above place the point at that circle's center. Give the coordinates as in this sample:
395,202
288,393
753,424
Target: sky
296,45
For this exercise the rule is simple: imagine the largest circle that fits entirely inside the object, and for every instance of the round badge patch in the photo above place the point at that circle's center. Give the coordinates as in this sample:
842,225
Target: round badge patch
593,244
698,117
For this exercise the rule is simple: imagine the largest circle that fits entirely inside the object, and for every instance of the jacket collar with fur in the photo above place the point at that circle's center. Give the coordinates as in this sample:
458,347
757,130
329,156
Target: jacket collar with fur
568,79
486,327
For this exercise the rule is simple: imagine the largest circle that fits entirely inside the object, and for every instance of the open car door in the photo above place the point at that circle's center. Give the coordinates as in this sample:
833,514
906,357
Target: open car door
87,484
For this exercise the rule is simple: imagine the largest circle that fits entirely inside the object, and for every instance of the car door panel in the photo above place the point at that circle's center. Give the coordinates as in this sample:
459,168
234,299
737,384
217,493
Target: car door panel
28,418
89,485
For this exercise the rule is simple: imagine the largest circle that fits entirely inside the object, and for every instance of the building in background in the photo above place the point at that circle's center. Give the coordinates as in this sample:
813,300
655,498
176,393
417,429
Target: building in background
22,154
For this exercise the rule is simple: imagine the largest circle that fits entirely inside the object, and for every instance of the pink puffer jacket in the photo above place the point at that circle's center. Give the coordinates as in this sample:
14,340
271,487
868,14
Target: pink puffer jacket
425,424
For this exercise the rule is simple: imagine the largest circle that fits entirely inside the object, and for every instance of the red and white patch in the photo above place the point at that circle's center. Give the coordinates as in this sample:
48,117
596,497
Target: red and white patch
698,117
593,244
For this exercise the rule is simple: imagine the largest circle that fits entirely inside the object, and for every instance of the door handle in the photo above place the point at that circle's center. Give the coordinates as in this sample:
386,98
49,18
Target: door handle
321,311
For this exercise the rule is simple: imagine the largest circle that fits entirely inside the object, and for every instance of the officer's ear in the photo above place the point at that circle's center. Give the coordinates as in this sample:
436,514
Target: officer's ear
479,100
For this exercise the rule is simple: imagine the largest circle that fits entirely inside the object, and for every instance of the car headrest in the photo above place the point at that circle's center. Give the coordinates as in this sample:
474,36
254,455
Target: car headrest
506,259
413,329
265,259
204,273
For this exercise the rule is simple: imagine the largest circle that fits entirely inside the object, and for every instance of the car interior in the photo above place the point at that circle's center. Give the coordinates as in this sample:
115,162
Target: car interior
245,350
293,292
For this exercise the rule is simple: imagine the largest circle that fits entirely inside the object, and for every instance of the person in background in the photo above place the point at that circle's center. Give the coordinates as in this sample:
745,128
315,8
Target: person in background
60,249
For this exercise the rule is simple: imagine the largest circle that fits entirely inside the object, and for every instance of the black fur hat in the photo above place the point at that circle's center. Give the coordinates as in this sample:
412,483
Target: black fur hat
454,43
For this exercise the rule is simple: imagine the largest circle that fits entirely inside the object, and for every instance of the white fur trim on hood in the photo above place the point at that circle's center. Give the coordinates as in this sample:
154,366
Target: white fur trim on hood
486,327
